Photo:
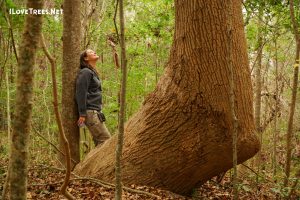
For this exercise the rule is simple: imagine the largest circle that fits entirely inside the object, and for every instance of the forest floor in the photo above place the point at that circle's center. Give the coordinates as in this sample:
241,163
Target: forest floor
44,182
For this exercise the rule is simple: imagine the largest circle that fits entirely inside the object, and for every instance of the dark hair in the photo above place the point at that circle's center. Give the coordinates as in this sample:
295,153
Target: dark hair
83,63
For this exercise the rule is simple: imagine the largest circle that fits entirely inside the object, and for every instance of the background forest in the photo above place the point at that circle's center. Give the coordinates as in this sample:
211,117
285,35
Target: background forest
149,31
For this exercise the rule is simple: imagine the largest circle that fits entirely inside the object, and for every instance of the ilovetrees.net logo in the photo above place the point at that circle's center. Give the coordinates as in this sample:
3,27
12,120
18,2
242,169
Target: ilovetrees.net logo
32,11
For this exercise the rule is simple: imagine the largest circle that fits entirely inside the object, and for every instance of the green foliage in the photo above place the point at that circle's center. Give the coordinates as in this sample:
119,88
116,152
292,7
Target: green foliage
149,27
149,30
282,191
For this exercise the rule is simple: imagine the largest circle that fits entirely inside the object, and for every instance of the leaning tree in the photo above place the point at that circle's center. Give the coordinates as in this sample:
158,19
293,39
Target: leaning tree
181,136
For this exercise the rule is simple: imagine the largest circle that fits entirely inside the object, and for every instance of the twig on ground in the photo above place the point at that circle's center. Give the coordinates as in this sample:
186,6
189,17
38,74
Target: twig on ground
94,180
53,145
257,174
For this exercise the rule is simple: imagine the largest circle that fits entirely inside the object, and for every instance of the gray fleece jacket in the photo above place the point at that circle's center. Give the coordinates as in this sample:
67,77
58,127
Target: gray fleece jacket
88,91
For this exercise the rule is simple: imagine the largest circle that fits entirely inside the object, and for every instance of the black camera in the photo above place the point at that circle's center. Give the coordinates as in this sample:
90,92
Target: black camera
101,117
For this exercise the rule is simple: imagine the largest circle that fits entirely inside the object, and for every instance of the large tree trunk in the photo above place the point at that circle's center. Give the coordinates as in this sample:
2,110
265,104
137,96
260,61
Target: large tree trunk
71,53
23,109
181,136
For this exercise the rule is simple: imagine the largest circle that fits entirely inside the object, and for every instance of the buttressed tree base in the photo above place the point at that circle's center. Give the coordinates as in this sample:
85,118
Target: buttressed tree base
181,136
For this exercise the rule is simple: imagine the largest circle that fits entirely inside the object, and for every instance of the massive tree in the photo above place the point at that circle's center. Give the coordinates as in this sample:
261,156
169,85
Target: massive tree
181,136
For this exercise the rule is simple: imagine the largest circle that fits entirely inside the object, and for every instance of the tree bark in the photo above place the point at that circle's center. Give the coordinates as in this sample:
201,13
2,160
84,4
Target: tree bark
6,184
182,134
9,24
257,111
119,148
71,53
258,85
232,101
23,109
275,129
289,134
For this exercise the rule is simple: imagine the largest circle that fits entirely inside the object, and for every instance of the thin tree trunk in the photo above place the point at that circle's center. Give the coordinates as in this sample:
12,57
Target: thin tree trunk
258,85
289,146
275,134
232,100
8,110
8,21
182,134
71,52
23,106
5,53
6,184
63,188
258,75
119,149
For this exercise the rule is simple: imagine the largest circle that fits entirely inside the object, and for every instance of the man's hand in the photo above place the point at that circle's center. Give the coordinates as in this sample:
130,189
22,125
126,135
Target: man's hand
81,121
